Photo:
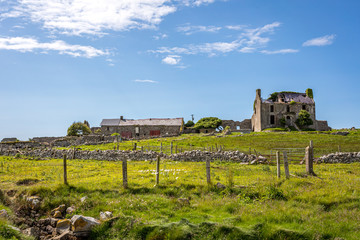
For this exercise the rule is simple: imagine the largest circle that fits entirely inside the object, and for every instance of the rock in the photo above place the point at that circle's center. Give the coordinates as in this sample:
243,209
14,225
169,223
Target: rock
82,225
105,215
63,225
220,186
53,222
64,236
184,201
34,202
57,214
31,232
49,229
70,210
3,214
14,228
61,209
83,199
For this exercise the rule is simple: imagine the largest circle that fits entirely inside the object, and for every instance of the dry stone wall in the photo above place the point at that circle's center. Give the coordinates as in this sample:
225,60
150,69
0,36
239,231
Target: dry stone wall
113,155
340,158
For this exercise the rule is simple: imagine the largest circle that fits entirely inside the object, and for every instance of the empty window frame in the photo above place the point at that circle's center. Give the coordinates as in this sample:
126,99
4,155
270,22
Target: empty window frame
272,119
288,108
271,108
304,107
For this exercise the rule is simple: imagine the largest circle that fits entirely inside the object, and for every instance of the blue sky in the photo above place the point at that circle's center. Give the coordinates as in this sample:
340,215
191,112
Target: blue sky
75,60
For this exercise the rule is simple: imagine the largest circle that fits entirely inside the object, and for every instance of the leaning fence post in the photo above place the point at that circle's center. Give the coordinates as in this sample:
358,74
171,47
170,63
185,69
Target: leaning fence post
286,166
278,163
157,170
65,171
208,179
171,148
124,170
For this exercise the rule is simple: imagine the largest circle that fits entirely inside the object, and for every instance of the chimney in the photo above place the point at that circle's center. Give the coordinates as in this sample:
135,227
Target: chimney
258,93
121,118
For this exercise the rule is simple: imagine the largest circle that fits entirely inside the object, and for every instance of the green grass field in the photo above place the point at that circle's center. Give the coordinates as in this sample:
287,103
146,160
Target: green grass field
254,204
262,142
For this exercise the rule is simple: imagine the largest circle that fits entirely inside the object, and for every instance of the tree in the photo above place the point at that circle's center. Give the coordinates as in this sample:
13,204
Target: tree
304,119
78,129
87,123
208,122
189,124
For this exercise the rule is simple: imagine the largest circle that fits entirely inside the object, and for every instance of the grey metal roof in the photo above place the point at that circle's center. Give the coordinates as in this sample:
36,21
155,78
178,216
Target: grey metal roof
143,122
110,122
296,97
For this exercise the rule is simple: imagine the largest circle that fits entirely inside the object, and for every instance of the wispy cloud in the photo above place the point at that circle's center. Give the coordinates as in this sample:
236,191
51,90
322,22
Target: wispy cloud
281,51
22,44
188,29
320,41
145,81
172,59
236,27
250,40
78,17
160,36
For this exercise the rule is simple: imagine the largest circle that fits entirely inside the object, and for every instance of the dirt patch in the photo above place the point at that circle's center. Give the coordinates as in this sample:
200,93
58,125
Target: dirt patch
27,181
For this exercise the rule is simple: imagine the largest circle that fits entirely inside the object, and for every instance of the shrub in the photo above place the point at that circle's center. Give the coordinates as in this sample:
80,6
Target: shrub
304,119
78,129
282,121
189,124
208,122
309,93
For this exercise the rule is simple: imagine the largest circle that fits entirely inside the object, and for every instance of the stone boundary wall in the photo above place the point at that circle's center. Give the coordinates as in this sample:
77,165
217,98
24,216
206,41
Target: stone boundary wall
113,155
339,158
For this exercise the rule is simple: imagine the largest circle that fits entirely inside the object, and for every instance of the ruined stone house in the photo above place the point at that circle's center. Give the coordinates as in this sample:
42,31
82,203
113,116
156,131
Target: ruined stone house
283,109
142,128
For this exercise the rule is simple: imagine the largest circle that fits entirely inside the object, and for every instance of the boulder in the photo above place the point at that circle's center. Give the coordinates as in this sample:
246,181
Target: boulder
33,202
70,210
57,214
63,225
3,214
220,186
105,215
83,199
82,225
31,232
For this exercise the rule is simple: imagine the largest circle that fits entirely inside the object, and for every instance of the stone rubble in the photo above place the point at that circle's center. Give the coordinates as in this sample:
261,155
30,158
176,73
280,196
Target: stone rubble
342,157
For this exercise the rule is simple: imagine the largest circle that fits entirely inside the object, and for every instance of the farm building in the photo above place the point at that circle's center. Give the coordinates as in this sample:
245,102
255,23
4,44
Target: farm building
142,128
282,109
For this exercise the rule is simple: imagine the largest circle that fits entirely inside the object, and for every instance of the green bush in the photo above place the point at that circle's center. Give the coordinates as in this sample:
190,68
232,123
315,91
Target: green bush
78,129
304,119
309,93
189,124
208,122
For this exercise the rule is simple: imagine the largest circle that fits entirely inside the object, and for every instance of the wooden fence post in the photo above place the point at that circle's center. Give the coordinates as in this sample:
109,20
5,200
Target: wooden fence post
65,171
176,148
171,148
208,178
161,148
135,146
286,166
278,163
249,150
73,156
339,148
124,170
142,148
309,159
157,170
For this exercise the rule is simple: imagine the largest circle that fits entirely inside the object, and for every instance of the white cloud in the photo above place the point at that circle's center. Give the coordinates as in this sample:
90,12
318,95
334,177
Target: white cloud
172,60
160,36
281,51
145,81
236,27
320,41
188,29
22,44
250,40
76,17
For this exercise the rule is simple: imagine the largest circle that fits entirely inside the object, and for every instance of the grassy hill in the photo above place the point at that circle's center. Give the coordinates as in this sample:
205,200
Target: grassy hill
253,205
